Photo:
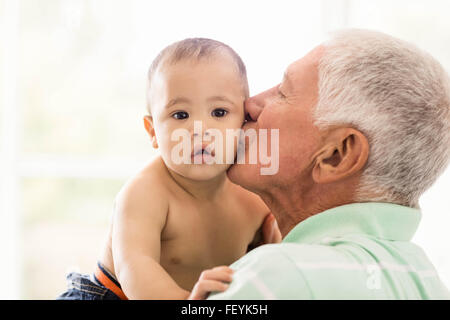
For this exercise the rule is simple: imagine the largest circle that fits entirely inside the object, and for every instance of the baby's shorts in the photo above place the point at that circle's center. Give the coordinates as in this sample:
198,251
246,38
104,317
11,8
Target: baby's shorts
101,285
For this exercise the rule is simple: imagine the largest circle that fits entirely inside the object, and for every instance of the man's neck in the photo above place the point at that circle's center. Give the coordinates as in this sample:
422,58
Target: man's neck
291,206
201,190
288,210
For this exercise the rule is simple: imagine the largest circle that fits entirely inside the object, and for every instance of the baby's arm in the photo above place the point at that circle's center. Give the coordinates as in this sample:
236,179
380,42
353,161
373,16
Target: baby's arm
139,219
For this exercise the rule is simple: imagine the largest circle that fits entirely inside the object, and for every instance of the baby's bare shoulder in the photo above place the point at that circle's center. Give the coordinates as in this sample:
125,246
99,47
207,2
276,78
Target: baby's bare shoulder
251,203
147,190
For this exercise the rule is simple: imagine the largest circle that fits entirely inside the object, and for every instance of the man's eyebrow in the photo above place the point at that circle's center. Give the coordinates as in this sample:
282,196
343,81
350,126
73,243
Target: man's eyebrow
287,78
175,101
220,98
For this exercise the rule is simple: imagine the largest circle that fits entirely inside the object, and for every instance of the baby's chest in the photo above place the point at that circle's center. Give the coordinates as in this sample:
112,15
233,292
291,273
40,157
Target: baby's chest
206,238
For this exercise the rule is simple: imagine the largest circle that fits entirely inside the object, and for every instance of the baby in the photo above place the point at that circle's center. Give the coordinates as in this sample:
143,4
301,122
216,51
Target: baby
175,219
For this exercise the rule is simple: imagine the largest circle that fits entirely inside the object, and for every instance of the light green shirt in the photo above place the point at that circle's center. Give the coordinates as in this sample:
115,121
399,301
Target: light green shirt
357,251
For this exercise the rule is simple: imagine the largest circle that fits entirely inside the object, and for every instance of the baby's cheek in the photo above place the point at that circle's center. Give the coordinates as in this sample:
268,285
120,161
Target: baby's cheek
231,144
229,151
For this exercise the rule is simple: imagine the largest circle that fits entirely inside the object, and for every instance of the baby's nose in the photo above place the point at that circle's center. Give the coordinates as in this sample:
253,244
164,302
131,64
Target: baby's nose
205,133
201,129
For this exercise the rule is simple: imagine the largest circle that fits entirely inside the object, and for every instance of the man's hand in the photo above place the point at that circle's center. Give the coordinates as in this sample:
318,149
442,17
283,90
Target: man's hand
216,279
271,232
268,233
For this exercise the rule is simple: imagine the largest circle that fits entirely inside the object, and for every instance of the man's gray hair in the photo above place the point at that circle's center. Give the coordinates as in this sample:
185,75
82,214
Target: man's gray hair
399,97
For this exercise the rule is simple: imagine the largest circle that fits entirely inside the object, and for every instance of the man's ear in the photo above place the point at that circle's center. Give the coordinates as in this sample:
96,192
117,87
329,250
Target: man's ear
148,124
345,152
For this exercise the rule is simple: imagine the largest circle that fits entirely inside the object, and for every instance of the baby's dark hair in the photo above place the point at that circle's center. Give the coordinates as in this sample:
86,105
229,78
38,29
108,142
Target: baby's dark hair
195,48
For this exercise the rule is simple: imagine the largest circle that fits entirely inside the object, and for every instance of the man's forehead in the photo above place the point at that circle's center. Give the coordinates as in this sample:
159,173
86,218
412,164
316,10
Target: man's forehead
310,60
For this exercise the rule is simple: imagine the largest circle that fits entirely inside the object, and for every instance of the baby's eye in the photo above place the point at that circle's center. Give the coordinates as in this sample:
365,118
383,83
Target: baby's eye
219,113
180,115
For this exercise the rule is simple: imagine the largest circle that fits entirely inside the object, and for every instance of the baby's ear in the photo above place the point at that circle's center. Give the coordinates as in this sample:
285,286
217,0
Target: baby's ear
148,124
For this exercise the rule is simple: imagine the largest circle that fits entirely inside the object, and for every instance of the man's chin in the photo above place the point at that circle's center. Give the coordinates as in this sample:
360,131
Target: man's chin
235,174
240,174
231,173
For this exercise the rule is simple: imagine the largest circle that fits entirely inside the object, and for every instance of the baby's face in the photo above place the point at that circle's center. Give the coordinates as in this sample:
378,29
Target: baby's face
193,94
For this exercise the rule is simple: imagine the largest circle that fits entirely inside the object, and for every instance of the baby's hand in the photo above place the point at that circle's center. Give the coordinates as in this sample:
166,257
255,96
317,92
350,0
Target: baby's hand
215,279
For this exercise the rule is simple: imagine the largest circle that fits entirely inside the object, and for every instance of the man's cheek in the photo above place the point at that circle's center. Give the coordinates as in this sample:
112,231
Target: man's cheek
290,168
292,147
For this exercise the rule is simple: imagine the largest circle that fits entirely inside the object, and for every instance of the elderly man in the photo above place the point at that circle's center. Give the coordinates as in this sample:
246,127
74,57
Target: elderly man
364,127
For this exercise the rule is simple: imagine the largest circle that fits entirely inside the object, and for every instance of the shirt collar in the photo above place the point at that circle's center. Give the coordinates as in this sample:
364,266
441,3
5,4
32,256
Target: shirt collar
382,220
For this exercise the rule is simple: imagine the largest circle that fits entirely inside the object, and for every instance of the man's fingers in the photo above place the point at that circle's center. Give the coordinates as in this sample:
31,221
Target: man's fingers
271,232
275,234
266,228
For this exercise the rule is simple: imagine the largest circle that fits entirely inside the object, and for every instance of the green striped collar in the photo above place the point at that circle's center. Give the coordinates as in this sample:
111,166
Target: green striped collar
382,220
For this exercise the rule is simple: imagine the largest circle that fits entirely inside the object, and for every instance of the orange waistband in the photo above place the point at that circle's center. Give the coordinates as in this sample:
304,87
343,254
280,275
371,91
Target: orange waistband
109,282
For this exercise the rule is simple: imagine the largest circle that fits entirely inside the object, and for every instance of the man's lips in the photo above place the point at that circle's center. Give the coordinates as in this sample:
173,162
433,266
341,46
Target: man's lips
249,125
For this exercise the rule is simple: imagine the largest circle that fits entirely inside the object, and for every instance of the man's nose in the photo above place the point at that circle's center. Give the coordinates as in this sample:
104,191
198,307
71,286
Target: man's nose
254,106
252,109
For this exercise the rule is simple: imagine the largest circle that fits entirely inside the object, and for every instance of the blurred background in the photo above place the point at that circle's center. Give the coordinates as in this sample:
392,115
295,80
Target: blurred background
72,98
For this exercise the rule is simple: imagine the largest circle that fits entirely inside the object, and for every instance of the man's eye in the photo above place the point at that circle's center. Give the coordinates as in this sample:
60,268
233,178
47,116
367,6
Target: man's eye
180,115
282,96
219,113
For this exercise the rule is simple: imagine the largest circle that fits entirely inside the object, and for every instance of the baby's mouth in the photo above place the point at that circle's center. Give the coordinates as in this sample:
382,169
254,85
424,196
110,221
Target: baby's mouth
202,155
